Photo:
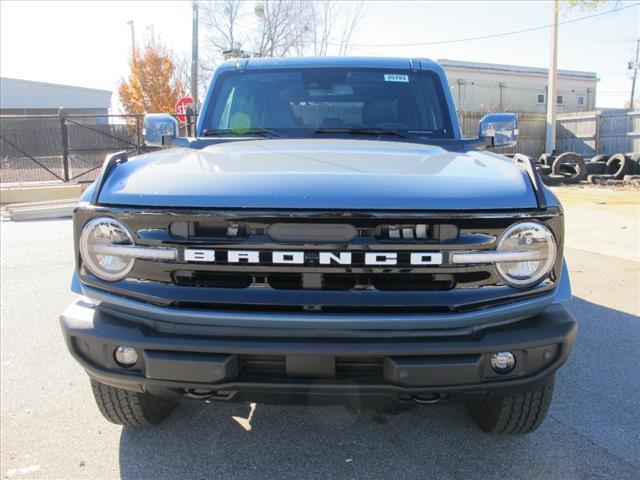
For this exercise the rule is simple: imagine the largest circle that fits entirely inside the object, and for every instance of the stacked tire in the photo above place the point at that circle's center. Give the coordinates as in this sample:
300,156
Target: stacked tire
614,167
570,165
546,159
545,169
635,158
620,165
597,165
570,168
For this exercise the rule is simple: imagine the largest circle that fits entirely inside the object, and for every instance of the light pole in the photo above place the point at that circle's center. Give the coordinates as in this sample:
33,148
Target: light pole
133,40
635,74
552,91
194,57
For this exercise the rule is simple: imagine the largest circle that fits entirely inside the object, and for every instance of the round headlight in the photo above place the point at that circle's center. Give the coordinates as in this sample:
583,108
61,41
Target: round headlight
102,232
536,243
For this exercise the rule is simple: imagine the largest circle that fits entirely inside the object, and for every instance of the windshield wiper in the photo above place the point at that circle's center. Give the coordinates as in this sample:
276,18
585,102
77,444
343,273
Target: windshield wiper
362,131
250,132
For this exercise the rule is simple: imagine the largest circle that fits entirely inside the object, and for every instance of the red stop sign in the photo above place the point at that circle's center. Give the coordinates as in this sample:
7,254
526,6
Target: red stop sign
184,104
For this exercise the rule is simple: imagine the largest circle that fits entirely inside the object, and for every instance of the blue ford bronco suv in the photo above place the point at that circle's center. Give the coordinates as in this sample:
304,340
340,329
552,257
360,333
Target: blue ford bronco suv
326,234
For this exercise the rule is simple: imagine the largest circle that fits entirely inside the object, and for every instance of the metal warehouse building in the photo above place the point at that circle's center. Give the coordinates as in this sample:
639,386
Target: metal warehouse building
26,97
494,87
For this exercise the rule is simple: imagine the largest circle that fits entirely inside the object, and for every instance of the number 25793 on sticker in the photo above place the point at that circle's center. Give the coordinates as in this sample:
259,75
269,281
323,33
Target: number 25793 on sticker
395,77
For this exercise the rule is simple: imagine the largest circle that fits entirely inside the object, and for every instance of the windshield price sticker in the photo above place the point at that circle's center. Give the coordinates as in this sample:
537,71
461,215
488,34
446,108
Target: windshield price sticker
394,77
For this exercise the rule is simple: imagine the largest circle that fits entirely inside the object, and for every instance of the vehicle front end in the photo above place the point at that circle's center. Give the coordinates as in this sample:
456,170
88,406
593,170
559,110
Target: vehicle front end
284,269
416,306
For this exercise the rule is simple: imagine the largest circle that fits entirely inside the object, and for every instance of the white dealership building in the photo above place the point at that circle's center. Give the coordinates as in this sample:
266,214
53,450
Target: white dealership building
511,88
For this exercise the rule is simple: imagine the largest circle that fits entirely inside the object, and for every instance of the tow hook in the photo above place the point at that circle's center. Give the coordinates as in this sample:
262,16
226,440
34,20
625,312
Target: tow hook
426,399
208,395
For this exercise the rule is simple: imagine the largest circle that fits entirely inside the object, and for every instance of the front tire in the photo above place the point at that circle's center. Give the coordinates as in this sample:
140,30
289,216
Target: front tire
131,409
519,413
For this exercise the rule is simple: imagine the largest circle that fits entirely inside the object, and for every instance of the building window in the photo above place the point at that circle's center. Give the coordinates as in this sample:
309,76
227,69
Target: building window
560,100
580,101
541,99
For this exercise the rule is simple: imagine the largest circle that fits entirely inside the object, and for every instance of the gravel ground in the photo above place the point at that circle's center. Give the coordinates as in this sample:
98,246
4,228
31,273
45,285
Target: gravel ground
50,427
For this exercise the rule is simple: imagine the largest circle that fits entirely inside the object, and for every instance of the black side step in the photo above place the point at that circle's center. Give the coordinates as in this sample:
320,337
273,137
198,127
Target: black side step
111,162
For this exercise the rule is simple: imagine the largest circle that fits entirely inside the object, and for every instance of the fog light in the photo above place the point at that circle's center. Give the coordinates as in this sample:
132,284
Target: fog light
126,356
503,362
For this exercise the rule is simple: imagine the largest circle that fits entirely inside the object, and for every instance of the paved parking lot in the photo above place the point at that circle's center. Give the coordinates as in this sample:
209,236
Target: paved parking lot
50,427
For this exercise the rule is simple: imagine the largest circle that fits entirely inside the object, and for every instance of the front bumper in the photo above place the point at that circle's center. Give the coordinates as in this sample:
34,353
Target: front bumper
424,363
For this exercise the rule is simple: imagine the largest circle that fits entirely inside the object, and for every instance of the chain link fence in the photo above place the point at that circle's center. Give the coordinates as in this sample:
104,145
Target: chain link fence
65,147
73,147
30,149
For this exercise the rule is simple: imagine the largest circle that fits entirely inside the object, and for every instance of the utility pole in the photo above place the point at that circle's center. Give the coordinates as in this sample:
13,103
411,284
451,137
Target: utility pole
133,40
552,90
194,57
635,74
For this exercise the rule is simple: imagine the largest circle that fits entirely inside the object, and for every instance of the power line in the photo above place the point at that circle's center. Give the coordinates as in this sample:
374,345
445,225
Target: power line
493,35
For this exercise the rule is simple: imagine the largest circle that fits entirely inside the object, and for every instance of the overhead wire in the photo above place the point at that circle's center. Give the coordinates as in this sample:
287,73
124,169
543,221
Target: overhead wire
493,35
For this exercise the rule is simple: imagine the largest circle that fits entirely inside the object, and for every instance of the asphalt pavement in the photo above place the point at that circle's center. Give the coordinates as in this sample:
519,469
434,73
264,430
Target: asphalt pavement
51,428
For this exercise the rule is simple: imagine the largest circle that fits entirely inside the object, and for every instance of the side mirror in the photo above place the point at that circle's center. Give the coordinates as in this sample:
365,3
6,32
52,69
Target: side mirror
502,128
159,129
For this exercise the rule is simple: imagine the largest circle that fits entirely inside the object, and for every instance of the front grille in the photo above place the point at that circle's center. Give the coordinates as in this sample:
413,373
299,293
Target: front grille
211,279
296,281
312,232
265,367
265,284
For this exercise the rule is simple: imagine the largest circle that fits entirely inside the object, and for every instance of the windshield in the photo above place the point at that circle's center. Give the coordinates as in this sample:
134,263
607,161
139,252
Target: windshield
312,101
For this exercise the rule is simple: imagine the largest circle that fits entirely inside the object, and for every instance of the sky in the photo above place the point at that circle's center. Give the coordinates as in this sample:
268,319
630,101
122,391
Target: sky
88,43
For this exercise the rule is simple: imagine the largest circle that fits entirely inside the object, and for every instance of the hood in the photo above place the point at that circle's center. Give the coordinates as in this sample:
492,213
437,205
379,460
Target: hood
320,174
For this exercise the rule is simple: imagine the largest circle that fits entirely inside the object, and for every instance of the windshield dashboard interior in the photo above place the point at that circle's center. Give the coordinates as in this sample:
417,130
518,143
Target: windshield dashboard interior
342,101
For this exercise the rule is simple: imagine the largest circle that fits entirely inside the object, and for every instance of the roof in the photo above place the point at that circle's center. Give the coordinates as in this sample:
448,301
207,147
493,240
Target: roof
517,69
328,62
28,94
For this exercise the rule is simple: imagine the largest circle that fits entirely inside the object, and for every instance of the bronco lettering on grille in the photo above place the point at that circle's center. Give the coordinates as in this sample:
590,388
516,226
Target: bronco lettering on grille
282,257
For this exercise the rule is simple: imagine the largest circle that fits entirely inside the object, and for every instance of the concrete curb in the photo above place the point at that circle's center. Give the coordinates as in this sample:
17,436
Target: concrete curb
40,210
26,192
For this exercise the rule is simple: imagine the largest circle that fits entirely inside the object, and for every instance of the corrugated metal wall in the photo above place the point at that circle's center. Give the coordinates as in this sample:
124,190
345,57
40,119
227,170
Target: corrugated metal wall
25,94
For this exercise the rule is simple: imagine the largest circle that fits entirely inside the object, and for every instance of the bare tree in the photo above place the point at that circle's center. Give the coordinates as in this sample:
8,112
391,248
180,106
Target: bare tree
220,20
283,28
329,17
588,4
223,35
352,17
321,26
183,70
279,28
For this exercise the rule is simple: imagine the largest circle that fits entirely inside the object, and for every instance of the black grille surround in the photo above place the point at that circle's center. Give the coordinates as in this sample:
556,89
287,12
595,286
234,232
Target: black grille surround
311,286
